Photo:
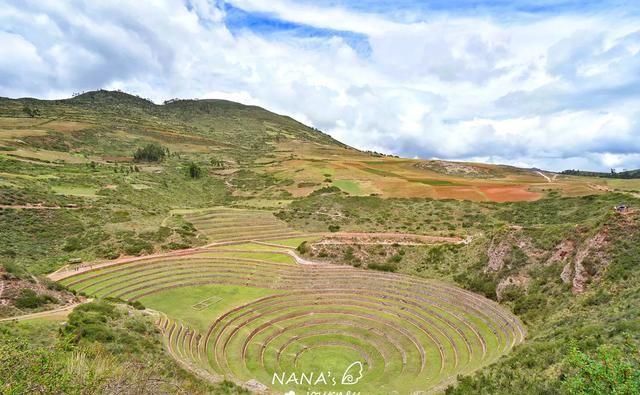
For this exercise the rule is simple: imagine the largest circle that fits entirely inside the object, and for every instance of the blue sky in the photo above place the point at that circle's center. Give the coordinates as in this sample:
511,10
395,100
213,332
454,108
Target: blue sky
545,83
497,8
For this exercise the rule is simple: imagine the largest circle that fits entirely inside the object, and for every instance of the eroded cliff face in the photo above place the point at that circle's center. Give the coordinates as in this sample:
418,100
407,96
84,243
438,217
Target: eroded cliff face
584,254
590,260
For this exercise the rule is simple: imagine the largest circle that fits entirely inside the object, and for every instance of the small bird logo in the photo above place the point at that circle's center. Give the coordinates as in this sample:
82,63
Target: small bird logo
353,374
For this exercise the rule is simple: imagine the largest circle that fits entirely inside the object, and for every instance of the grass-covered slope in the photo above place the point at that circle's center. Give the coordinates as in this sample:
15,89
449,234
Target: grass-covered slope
104,348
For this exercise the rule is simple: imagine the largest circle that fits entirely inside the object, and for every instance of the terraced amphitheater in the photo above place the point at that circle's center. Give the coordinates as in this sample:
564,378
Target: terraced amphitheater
249,313
227,225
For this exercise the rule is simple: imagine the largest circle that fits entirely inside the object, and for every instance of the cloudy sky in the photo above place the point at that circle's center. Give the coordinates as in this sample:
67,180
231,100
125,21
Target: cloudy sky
547,83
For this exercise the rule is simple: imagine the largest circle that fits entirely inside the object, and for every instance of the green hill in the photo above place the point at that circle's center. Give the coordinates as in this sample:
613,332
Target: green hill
108,121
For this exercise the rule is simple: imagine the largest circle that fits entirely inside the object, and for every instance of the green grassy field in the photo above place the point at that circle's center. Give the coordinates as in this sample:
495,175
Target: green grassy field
179,303
349,186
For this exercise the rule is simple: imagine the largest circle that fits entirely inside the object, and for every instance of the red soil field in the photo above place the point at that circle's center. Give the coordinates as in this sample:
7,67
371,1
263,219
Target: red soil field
510,193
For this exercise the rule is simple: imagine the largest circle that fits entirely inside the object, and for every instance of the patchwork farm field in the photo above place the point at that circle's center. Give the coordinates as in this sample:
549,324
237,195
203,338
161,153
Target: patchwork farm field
312,166
293,167
252,311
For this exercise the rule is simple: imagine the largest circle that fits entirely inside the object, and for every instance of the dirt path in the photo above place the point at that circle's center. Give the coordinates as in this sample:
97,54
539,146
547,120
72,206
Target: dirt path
387,238
59,312
35,162
36,207
166,219
602,188
67,271
348,238
291,252
546,177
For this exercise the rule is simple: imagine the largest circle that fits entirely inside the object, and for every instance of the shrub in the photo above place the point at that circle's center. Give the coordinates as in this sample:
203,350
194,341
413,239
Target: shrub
348,254
334,228
72,244
194,170
610,372
136,304
326,191
137,246
29,299
217,163
15,269
52,285
478,282
303,248
31,111
383,267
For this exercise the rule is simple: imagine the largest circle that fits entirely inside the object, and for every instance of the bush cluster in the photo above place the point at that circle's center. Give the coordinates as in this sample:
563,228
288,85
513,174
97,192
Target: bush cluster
152,152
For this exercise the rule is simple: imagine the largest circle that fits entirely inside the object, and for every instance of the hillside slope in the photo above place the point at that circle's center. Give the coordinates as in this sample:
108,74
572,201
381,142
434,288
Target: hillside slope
106,177
83,123
256,152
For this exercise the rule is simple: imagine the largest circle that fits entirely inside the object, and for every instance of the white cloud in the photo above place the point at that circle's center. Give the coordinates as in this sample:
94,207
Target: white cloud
554,93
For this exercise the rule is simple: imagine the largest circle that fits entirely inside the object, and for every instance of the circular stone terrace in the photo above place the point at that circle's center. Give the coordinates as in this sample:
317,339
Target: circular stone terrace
290,326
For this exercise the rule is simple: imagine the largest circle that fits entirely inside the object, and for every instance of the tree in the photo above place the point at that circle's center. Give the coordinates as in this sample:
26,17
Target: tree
32,112
194,170
152,152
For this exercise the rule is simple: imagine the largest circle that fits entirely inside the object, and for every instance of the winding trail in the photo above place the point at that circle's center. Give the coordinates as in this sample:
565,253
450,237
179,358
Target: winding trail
291,252
59,312
67,270
546,177
387,238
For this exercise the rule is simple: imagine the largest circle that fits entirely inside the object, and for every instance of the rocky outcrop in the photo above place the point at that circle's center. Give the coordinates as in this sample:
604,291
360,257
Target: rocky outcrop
497,253
563,252
590,259
502,245
583,261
